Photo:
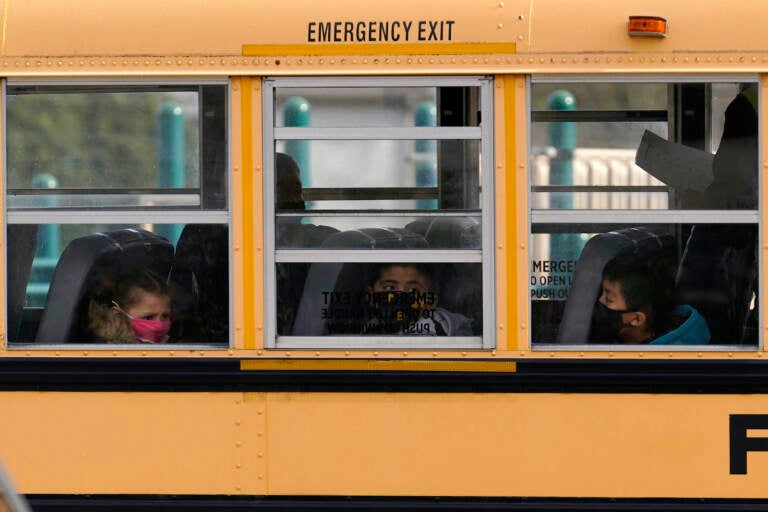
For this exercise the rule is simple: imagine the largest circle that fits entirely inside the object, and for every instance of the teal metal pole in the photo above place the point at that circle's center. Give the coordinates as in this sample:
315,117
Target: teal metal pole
562,136
48,247
50,234
171,158
296,112
425,114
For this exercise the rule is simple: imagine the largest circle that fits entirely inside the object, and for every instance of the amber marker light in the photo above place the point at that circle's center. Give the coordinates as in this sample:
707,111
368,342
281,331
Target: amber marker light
647,26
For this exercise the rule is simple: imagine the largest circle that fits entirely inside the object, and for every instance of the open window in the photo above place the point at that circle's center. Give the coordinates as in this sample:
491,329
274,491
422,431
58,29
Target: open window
649,182
110,184
379,212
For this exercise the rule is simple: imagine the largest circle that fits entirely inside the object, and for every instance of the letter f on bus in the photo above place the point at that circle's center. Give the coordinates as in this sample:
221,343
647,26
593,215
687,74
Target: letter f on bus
741,444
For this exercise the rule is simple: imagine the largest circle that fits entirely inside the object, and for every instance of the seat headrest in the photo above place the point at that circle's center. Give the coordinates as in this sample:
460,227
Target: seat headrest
84,263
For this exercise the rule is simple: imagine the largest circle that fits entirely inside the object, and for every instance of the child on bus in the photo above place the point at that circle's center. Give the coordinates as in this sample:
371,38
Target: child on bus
636,305
135,308
402,300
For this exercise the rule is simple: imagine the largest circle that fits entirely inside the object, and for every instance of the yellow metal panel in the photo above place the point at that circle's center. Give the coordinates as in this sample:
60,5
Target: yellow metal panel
134,443
709,25
374,365
254,219
247,212
266,50
241,158
509,445
177,27
520,176
762,116
511,216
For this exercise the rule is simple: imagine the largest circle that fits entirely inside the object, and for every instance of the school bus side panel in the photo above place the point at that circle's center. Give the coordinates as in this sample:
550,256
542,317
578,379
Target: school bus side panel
133,443
509,445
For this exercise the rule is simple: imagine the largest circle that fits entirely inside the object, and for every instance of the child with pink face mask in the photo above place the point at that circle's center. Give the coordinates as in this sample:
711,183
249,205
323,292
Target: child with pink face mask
137,309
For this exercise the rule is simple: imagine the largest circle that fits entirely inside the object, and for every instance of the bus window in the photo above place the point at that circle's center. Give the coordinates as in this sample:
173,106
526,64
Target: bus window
110,185
645,193
378,214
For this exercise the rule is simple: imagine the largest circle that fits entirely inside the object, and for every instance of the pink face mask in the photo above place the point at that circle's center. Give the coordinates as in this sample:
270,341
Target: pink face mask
149,331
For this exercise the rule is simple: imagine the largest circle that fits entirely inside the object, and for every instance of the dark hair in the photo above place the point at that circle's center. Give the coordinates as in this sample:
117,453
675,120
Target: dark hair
421,268
645,286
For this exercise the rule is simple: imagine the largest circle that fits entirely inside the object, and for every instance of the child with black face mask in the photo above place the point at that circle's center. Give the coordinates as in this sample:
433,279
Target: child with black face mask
401,300
636,306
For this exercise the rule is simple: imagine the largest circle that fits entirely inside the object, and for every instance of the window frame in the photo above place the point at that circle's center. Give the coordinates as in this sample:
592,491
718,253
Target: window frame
126,215
640,217
485,256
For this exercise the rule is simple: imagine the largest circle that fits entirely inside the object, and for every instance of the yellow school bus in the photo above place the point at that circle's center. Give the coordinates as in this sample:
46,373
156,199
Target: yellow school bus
494,254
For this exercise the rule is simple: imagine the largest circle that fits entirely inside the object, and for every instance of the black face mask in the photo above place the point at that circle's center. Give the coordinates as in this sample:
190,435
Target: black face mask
394,311
606,324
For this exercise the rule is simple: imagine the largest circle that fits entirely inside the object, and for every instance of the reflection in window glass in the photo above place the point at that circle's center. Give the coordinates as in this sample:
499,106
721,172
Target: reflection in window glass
101,139
367,198
605,278
69,294
356,106
121,146
146,167
392,299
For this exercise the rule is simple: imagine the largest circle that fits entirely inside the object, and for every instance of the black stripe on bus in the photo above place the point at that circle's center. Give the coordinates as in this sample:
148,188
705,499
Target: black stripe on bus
94,503
531,376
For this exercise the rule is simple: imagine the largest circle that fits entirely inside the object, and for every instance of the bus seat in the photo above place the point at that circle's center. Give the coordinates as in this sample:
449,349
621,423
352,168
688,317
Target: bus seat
341,278
290,277
460,284
647,242
199,283
449,232
86,262
22,245
717,276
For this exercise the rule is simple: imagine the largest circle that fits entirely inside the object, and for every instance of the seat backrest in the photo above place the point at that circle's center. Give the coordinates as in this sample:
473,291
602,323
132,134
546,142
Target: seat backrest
199,282
718,276
22,245
460,284
290,233
85,263
449,232
648,243
314,314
